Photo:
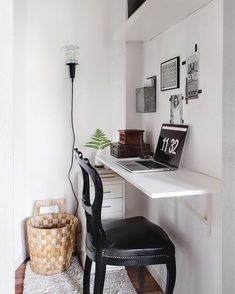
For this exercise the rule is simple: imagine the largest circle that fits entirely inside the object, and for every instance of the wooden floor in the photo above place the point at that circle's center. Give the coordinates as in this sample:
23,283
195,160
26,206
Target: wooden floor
151,287
19,278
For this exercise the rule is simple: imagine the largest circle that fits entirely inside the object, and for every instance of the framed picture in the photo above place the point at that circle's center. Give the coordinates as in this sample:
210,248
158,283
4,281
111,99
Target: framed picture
170,74
176,109
192,77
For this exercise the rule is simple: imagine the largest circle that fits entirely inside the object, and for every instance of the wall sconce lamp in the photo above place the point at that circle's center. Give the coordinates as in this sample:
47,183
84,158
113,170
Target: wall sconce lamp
72,59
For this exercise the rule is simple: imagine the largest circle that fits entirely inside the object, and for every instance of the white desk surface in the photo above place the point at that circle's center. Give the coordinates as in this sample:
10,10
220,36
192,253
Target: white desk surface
183,182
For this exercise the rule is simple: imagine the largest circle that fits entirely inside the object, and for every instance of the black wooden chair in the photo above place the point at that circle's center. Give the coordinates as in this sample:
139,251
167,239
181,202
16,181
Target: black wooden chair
125,242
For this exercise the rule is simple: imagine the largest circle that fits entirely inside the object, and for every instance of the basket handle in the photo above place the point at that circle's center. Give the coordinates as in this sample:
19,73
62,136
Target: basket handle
61,203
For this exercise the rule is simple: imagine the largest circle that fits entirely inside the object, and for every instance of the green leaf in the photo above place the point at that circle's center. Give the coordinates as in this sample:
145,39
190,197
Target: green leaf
106,141
99,133
92,146
98,140
92,143
105,145
95,138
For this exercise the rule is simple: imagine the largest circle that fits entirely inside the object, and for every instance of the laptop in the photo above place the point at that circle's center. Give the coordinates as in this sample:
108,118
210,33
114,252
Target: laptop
167,155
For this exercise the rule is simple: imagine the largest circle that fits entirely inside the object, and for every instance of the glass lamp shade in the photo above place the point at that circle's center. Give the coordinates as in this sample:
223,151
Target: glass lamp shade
72,54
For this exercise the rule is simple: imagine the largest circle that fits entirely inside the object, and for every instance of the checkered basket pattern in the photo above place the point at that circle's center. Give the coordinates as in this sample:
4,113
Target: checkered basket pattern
51,239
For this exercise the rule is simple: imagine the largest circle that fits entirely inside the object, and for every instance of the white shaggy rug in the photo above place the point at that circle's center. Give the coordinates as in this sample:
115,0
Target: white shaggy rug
70,282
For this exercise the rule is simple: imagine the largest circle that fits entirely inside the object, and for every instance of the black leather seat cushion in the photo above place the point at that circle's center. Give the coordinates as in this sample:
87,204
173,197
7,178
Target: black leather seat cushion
134,237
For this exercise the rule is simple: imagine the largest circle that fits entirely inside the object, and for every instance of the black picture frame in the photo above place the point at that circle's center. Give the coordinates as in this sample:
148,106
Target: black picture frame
170,74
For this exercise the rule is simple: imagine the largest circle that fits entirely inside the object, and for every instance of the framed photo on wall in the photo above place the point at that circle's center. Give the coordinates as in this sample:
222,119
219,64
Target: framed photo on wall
170,74
192,77
176,109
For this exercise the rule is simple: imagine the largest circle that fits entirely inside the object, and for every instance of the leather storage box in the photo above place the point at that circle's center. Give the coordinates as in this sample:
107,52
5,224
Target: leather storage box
128,150
131,136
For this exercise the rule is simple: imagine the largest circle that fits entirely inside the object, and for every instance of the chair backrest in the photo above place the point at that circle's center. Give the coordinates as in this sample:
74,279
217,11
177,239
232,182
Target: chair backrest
92,210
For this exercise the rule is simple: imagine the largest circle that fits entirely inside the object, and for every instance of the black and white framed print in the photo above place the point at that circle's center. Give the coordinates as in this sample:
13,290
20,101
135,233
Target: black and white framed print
192,77
176,109
170,74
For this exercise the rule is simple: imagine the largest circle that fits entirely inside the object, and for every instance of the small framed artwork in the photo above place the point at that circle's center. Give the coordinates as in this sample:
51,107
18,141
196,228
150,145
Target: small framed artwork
192,77
176,109
170,74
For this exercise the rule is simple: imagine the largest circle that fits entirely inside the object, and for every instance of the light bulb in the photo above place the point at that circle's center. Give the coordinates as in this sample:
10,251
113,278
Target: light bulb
72,54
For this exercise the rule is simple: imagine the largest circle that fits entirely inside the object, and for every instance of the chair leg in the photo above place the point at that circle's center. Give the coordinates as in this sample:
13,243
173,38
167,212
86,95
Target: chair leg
100,270
171,276
141,276
86,276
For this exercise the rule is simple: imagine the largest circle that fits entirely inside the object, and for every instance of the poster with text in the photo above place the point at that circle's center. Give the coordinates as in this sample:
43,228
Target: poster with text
192,77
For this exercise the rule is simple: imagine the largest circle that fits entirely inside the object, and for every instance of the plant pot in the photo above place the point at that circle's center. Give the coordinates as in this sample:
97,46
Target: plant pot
98,163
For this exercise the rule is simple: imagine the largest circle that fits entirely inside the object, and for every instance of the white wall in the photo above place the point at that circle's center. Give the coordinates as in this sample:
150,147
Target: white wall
203,115
134,74
20,196
6,147
117,10
228,255
42,96
198,255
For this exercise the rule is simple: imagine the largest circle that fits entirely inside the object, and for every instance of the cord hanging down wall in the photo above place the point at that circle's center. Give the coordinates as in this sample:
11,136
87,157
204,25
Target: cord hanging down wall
72,62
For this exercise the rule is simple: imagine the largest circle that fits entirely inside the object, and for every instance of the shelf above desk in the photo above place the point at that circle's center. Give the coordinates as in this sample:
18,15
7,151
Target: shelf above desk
183,182
155,17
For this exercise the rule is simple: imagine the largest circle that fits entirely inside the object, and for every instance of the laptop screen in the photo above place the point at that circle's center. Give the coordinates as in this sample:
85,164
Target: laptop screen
170,144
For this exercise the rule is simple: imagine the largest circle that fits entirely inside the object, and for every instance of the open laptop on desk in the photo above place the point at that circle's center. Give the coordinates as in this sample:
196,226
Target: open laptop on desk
167,155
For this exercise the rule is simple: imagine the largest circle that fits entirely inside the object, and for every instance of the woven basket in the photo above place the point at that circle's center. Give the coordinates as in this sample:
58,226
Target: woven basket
51,238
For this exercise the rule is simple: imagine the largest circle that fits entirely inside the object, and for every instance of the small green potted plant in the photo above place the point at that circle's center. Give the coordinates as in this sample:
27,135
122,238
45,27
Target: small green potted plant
98,141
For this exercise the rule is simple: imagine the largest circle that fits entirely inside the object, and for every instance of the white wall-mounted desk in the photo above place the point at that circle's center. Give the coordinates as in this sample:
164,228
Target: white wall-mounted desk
183,182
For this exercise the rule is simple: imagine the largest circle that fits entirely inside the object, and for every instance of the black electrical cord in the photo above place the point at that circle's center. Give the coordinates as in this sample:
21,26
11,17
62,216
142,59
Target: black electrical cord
141,147
143,156
71,165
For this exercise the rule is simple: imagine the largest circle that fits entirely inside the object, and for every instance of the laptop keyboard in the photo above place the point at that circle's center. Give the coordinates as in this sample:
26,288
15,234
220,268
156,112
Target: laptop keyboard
151,164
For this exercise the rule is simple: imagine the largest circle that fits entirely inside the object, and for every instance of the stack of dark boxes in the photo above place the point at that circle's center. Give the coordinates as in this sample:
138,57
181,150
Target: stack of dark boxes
130,144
